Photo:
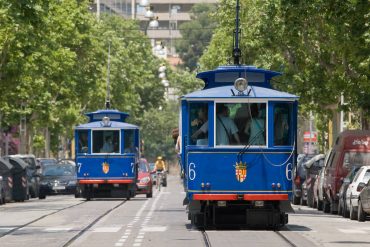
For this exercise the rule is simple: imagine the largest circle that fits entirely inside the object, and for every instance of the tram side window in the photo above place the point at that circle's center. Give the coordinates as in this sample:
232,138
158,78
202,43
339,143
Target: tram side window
82,141
240,124
198,123
106,141
129,141
282,129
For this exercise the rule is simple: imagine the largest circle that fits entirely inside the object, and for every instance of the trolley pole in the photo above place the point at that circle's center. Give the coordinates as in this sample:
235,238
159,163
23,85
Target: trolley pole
236,49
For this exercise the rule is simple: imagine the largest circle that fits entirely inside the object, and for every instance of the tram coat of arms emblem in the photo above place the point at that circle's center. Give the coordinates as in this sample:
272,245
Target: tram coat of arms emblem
105,167
241,171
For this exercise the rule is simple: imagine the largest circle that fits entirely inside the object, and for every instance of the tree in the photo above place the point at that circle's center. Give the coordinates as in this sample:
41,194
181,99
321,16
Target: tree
196,35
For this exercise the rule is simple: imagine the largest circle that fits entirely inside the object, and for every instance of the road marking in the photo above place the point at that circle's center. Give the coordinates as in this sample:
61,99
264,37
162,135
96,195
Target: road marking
154,228
138,240
351,231
118,244
140,236
107,229
57,229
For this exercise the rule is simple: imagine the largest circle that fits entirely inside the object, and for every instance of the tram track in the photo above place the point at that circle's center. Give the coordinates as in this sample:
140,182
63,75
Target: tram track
285,239
38,219
96,220
207,242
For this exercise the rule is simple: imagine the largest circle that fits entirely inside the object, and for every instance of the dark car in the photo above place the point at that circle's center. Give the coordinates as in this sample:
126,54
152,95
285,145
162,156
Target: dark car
58,179
299,178
342,206
144,184
364,201
313,167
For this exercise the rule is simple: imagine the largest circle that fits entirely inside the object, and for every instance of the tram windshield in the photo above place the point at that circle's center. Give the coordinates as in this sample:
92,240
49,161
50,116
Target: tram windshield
282,127
240,124
106,141
82,141
129,141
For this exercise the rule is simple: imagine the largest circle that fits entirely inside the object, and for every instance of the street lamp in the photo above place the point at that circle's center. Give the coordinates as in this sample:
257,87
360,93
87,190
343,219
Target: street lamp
144,3
153,20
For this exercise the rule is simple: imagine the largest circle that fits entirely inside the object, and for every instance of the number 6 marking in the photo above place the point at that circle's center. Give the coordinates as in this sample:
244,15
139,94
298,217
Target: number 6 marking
288,171
192,173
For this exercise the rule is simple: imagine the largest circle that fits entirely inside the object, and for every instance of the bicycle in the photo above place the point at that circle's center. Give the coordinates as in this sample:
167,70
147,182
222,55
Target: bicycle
159,180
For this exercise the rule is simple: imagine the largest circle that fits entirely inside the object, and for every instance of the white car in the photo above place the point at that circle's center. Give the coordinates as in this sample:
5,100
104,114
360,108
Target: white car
362,176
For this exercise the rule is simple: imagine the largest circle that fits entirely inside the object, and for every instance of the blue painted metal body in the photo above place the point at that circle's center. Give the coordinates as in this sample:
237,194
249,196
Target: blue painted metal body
211,169
121,163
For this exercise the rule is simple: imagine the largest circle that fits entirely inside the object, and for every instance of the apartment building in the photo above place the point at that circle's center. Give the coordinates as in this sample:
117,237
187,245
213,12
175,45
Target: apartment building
170,13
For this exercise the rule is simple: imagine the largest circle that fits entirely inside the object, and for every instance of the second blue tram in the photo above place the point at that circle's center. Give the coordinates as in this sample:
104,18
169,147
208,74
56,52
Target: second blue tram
107,151
238,148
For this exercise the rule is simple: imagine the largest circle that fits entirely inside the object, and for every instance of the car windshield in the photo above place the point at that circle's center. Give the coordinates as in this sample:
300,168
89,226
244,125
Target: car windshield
143,167
356,159
59,170
48,162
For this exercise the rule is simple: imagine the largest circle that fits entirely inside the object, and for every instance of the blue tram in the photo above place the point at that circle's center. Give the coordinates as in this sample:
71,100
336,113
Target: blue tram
238,148
107,152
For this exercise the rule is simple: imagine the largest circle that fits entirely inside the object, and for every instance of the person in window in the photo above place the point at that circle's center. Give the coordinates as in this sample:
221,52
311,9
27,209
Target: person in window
107,146
226,130
201,126
255,128
82,143
241,117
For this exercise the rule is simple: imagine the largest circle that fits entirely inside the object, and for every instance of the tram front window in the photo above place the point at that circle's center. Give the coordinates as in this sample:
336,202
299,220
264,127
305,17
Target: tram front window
198,124
282,129
240,124
82,141
129,141
106,141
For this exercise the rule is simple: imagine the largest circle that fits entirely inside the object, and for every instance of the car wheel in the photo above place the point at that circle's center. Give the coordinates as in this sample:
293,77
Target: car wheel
326,207
303,202
340,208
319,205
42,196
352,213
296,200
345,210
310,200
149,195
361,215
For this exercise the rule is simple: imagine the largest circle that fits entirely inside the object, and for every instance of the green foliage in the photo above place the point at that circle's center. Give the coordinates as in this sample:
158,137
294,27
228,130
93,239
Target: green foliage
321,46
196,34
53,66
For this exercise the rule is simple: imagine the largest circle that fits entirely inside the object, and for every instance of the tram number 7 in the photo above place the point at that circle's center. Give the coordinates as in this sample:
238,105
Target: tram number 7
79,165
192,173
288,171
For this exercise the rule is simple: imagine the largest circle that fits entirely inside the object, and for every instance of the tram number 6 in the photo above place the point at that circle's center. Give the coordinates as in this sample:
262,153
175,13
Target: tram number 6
192,173
288,171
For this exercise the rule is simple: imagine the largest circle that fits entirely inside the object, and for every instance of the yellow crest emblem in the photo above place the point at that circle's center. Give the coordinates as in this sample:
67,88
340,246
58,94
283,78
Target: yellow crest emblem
105,167
241,171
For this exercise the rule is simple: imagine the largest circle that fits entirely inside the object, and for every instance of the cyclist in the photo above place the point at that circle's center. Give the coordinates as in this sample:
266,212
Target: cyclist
160,167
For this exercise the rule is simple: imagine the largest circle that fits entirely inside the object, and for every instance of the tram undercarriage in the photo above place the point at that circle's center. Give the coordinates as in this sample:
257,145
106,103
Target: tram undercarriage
90,191
249,214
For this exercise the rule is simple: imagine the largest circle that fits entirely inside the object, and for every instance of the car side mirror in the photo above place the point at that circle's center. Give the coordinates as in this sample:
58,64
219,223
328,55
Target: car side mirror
361,186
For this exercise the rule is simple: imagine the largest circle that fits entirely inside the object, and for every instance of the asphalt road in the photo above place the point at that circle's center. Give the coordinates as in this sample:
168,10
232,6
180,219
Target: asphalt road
159,221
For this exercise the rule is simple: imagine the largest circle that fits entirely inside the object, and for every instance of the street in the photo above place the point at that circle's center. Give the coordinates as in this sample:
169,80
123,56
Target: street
159,221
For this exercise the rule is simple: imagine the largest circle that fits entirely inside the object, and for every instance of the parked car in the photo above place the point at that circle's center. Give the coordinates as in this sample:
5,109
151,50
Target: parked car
33,173
350,149
58,179
299,178
6,184
342,206
2,191
144,184
364,201
153,174
45,162
353,191
313,166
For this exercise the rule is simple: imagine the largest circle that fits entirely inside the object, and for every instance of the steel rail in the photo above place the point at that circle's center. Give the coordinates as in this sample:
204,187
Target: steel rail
38,219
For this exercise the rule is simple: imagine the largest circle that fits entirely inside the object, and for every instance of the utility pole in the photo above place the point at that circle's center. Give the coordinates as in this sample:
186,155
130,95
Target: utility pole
133,9
98,9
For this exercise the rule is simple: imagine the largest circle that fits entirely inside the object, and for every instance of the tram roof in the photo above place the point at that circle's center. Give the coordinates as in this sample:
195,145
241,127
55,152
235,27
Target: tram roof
226,92
113,114
112,124
226,75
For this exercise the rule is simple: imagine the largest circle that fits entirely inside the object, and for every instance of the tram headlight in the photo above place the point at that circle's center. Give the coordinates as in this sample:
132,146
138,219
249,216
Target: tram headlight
241,84
106,121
